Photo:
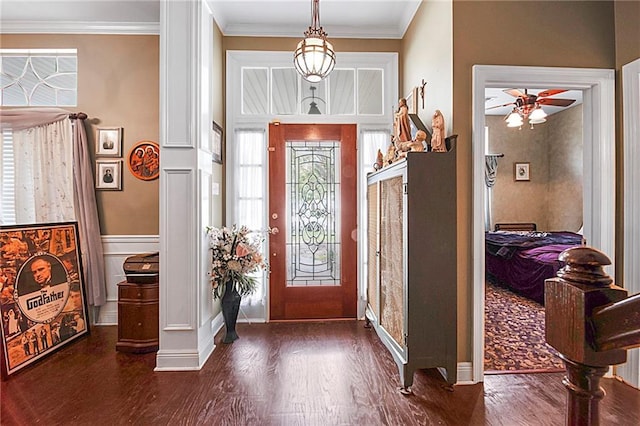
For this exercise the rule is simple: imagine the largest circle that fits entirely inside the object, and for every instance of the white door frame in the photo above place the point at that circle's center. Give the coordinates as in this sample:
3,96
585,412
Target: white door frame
597,86
630,372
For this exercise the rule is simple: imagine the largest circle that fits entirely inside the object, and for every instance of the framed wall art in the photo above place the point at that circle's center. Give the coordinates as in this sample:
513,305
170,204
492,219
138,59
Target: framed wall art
216,143
412,101
109,142
144,160
42,303
109,174
521,171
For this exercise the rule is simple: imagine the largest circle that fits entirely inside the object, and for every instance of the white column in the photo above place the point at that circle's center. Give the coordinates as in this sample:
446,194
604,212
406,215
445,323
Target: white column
630,371
186,337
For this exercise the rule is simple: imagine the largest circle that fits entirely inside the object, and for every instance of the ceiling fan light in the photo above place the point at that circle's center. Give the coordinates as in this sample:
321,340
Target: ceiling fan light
537,121
515,119
537,114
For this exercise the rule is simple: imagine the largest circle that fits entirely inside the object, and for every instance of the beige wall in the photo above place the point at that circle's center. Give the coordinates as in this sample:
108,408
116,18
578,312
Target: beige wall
568,34
565,148
552,198
218,111
288,44
118,85
426,55
627,15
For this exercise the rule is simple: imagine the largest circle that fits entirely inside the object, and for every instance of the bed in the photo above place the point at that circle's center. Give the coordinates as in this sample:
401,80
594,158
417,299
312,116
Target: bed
522,259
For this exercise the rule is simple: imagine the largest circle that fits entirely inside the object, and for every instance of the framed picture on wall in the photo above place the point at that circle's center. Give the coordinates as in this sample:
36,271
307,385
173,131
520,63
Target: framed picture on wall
412,101
521,171
109,174
216,143
109,142
45,308
144,160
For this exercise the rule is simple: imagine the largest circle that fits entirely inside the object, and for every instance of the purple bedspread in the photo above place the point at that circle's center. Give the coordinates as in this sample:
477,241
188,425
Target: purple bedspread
525,269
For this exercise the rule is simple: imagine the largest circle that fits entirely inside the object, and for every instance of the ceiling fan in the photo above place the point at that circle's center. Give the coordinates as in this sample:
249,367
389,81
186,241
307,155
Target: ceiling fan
528,105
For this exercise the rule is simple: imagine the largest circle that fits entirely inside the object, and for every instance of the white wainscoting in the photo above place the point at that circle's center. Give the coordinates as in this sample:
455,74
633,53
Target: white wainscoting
116,249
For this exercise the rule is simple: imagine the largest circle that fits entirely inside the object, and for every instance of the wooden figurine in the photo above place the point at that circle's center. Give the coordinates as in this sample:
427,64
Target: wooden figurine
416,145
401,126
390,156
437,138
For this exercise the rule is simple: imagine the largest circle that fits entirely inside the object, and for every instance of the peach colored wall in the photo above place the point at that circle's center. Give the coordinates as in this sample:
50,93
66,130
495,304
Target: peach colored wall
118,81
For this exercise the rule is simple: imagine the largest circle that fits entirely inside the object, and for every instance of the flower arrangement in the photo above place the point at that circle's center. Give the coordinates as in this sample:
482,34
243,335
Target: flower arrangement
235,255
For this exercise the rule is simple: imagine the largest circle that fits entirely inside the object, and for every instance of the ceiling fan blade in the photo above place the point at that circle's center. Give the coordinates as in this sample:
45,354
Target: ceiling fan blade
500,106
556,102
516,93
550,92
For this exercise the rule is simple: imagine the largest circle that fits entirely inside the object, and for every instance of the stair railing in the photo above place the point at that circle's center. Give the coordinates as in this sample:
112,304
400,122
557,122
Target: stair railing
590,322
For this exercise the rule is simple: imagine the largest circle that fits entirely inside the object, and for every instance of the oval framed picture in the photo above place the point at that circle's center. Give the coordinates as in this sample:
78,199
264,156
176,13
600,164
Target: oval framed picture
144,160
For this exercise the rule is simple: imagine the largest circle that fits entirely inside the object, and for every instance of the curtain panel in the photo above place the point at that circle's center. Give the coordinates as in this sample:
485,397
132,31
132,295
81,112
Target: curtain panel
490,170
52,163
249,197
43,156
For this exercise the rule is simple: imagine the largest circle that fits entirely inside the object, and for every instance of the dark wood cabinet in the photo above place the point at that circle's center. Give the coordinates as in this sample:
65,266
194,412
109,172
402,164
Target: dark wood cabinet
138,317
412,272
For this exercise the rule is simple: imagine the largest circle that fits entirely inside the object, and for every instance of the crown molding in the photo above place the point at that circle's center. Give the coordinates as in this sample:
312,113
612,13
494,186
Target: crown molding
337,31
75,27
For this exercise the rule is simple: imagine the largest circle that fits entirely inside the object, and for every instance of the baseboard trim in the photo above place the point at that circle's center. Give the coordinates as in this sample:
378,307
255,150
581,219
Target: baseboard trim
465,373
168,360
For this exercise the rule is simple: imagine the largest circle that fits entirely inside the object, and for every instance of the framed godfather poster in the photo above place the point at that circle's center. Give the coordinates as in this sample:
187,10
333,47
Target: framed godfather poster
42,301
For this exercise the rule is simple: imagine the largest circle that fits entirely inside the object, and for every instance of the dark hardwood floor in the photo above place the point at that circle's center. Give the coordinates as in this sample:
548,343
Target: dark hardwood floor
325,373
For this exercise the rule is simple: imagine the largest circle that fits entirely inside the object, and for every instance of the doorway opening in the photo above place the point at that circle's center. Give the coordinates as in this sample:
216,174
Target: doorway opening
598,161
534,212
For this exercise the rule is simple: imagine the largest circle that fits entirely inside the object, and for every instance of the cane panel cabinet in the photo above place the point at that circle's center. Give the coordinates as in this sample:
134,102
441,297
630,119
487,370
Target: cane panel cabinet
411,272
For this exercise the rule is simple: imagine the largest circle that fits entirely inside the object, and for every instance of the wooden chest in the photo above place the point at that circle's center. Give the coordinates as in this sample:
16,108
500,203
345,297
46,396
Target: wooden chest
138,317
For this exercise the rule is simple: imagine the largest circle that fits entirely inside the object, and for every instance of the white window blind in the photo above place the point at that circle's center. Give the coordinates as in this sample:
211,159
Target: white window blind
7,175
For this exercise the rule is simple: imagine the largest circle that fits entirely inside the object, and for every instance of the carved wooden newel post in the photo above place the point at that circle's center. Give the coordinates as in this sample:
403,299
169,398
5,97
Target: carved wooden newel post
570,300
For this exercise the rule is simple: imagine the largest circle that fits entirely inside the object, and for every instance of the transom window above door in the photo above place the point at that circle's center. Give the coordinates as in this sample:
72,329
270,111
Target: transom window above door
38,77
281,91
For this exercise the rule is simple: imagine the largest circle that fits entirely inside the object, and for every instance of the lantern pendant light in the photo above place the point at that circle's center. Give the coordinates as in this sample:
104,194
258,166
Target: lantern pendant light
314,58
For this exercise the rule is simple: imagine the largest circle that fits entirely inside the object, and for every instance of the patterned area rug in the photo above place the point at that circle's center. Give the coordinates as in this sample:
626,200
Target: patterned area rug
514,334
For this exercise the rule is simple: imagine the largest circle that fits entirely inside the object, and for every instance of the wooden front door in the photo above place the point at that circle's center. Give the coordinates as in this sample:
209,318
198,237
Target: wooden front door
312,202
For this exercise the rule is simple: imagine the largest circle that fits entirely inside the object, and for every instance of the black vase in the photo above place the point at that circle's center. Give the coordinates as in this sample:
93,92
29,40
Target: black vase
230,308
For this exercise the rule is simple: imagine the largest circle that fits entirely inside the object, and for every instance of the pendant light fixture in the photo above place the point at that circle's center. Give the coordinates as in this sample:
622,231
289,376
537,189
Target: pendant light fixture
314,57
313,105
